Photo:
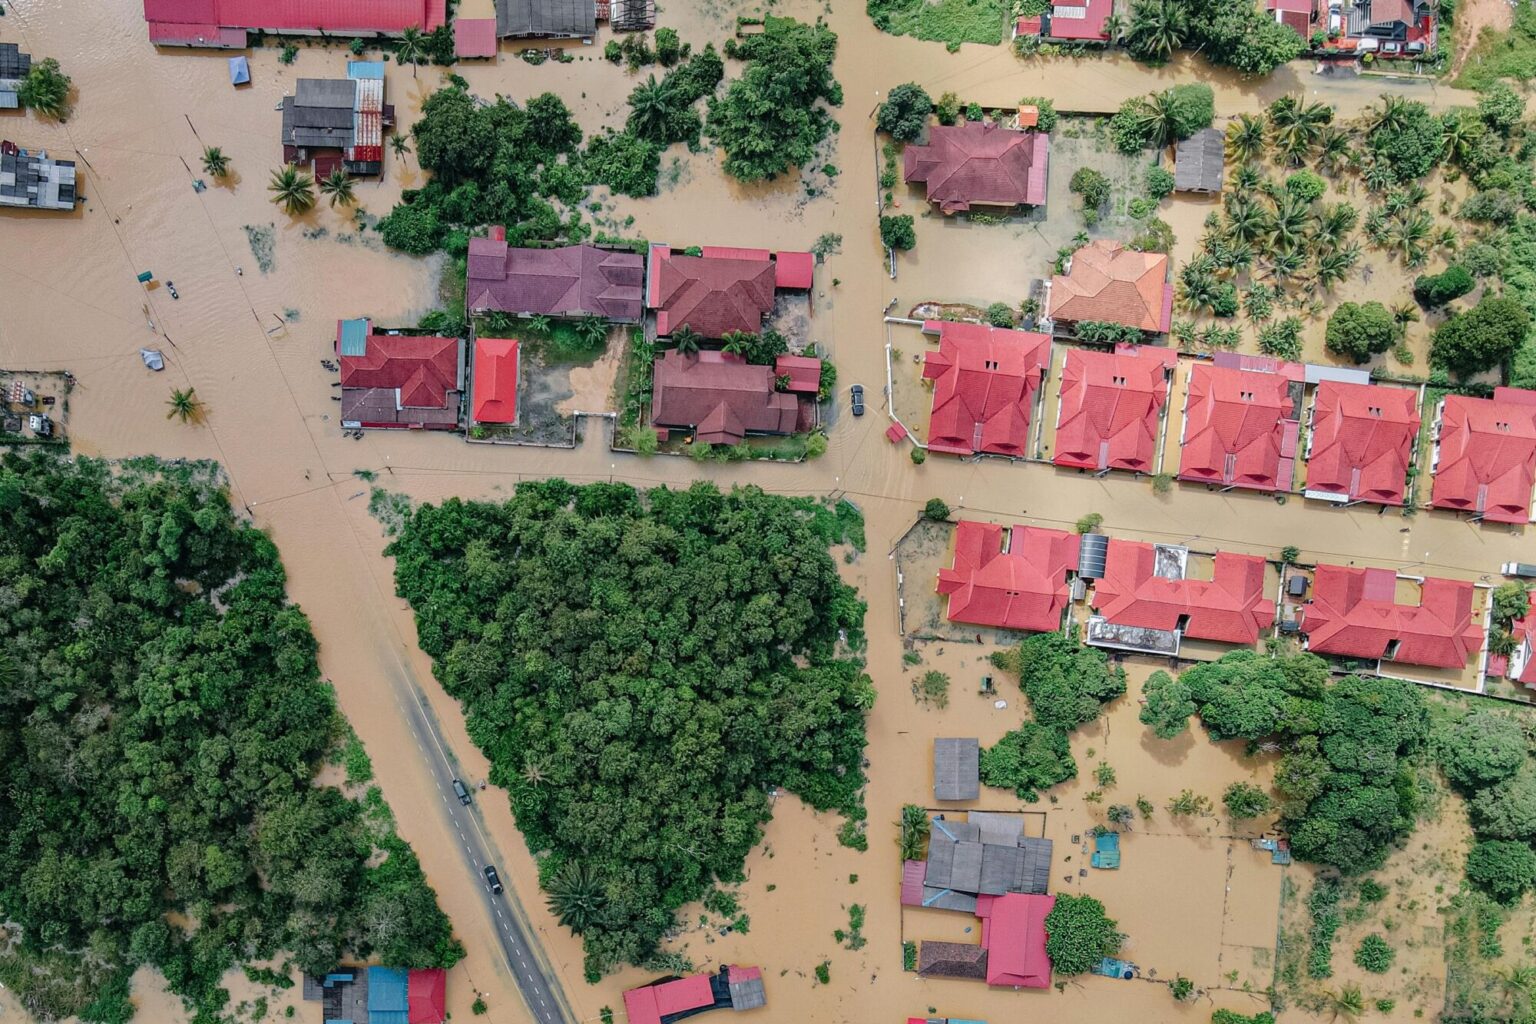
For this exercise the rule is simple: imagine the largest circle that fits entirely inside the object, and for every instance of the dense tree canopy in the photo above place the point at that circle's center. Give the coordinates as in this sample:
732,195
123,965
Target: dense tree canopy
774,116
1359,330
1481,749
1079,934
162,722
1236,34
612,648
1504,870
904,114
1484,337
1167,703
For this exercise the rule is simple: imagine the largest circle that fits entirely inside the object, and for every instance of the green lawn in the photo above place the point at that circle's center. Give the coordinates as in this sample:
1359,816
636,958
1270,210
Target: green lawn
945,21
1499,55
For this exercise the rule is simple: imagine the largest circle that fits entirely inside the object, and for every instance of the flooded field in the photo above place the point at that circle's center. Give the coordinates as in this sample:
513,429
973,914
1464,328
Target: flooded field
260,294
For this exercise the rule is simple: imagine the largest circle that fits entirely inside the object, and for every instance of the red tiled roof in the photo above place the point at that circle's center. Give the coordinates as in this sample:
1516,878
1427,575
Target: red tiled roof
1362,440
1022,588
202,34
804,372
427,996
424,369
895,432
1353,613
734,252
1013,934
978,163
573,280
341,17
713,295
794,270
495,388
1230,608
986,379
720,395
1110,406
649,1004
1109,283
1089,26
1234,427
474,37
1487,460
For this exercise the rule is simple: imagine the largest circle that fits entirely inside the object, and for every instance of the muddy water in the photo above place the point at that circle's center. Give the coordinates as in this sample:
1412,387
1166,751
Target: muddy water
70,301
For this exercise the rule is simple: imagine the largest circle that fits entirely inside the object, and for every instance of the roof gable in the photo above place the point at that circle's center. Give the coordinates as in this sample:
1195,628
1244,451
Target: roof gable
712,295
1487,457
1231,607
978,162
1234,427
986,379
1109,283
1354,613
1111,405
1023,588
1362,441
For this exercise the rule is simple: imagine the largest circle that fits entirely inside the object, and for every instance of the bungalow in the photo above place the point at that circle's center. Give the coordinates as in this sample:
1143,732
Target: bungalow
1107,283
380,994
985,383
33,180
986,855
1070,21
493,395
1111,408
14,66
1239,428
666,1002
1147,587
978,163
1014,578
1355,613
1360,442
722,290
330,123
956,769
1485,455
224,23
398,380
474,38
1013,934
722,398
546,19
1390,20
569,281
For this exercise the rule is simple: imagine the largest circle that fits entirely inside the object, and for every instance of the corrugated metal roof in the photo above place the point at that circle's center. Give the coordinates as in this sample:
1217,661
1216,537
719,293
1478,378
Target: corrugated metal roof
354,337
325,92
365,70
546,18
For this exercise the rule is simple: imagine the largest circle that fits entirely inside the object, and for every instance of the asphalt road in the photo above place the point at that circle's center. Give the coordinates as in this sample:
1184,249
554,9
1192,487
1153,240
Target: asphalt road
540,989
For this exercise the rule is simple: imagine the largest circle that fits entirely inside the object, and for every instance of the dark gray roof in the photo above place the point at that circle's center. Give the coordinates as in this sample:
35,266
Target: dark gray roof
36,182
326,92
14,63
1198,162
748,994
951,960
986,857
956,771
316,126
525,19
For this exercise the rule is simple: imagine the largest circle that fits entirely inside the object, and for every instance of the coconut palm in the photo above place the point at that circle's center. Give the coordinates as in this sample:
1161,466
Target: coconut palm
1459,132
1246,178
1236,254
914,828
1247,221
1403,314
1409,237
400,144
1335,150
293,190
1391,114
533,773
1114,27
1332,267
1158,118
1376,227
1378,176
592,330
215,163
736,342
650,110
412,48
1158,27
1284,111
686,340
1292,218
1334,223
185,405
338,185
1294,141
576,896
1245,137
1283,266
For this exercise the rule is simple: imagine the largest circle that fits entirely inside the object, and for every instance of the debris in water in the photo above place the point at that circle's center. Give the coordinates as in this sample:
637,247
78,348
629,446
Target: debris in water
152,358
263,241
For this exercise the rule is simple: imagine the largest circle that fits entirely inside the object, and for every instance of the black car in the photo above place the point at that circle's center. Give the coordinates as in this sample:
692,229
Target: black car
857,391
493,879
461,792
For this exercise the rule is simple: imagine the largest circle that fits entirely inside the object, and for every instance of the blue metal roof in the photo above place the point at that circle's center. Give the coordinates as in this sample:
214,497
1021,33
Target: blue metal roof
360,69
386,992
354,337
239,71
388,1017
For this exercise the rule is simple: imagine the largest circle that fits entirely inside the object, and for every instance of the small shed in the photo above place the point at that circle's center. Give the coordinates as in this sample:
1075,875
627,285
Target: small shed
1199,162
239,71
956,769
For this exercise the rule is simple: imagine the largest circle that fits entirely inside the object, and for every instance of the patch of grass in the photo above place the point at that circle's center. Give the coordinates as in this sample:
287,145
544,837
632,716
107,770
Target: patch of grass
943,21
1499,55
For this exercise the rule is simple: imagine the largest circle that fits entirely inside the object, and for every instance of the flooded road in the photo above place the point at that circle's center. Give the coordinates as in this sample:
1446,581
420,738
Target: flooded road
250,343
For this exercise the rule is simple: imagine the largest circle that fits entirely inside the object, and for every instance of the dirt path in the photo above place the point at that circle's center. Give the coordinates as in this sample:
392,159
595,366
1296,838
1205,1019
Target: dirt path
1472,16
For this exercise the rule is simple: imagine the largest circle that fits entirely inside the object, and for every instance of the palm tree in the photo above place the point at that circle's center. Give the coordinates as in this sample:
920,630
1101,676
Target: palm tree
45,89
400,144
1348,1003
1159,118
737,342
538,324
412,48
1290,225
1246,178
1379,176
914,828
1403,314
1247,221
1158,27
215,163
184,404
1332,267
592,330
1245,138
1114,26
1458,134
650,110
686,340
338,185
1284,266
533,773
1376,227
1334,223
1335,149
1390,115
293,190
576,896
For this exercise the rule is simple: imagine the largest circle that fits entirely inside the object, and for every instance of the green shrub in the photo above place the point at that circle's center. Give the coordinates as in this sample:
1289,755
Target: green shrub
898,232
904,114
1374,954
1359,331
1434,290
1504,869
1000,314
1029,758
1305,186
1079,934
936,510
1048,118
1158,182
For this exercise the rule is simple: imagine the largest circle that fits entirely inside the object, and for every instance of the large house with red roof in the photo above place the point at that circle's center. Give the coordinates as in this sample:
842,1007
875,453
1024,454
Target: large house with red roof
978,163
493,388
1360,442
1009,578
390,379
1107,283
225,23
723,289
1485,455
722,398
568,281
666,1002
1355,613
985,383
1146,587
1240,427
1013,935
1112,408
1070,21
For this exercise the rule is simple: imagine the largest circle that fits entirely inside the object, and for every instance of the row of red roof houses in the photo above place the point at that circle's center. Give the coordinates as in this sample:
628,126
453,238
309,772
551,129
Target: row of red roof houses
1022,577
1241,425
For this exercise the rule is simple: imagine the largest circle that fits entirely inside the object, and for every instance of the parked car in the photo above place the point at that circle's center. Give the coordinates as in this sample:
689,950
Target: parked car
1525,569
492,879
857,391
1390,49
460,791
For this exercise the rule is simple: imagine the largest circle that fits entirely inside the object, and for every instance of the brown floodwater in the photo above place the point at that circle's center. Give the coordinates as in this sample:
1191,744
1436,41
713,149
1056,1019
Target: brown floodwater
250,342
